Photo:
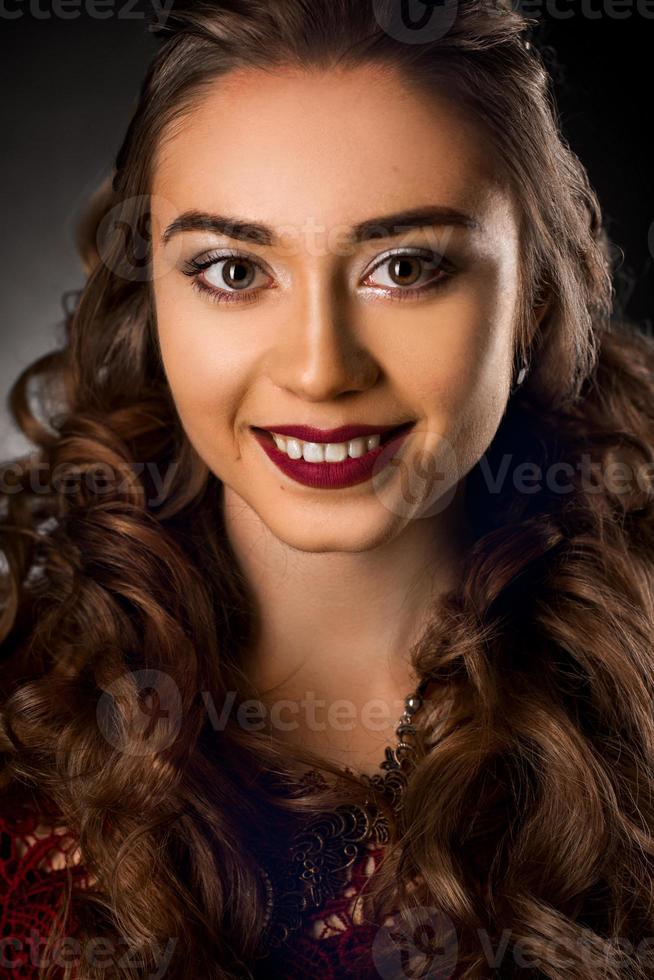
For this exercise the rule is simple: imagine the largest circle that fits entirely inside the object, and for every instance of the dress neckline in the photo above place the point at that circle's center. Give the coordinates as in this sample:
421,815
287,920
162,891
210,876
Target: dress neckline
325,846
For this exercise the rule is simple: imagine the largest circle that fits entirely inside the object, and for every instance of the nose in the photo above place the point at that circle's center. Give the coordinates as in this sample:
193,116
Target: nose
319,357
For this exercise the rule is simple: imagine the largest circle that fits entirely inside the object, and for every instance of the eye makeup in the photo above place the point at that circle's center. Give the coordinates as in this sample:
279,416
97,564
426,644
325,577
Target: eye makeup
433,261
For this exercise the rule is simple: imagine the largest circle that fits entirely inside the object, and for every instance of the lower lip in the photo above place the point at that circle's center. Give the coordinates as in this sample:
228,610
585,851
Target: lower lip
331,476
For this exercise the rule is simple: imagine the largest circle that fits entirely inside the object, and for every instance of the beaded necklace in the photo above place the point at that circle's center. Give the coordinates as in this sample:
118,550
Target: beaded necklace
329,843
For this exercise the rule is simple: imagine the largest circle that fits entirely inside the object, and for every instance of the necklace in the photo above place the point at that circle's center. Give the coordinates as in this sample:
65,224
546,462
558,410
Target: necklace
321,852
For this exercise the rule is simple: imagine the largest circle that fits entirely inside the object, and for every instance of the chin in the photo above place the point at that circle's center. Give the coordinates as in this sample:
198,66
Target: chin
345,532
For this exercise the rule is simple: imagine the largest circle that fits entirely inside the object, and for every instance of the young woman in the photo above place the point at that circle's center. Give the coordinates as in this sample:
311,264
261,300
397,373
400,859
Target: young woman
343,434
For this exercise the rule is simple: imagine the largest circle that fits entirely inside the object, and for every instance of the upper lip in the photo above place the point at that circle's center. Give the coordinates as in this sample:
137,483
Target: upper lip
309,434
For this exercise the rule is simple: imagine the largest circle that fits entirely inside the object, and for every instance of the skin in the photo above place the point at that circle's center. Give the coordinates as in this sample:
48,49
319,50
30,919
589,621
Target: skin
342,578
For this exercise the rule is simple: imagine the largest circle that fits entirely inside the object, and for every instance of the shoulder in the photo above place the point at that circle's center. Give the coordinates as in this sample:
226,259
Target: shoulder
36,861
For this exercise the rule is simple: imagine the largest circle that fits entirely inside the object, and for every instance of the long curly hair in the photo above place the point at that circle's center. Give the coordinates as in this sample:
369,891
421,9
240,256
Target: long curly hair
530,807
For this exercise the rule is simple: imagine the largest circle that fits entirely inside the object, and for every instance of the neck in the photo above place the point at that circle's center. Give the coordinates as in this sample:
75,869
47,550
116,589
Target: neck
342,623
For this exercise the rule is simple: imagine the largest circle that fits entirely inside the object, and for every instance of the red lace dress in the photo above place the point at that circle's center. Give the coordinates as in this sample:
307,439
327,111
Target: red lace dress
34,863
333,942
328,938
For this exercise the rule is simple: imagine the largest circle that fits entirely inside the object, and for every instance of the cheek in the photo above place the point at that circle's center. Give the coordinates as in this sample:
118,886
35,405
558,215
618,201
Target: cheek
465,352
206,372
460,372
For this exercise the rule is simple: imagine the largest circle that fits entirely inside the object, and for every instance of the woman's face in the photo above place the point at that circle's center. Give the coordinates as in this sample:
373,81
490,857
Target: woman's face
307,323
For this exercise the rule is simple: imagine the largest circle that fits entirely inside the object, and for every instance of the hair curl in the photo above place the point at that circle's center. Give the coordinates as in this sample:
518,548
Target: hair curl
530,806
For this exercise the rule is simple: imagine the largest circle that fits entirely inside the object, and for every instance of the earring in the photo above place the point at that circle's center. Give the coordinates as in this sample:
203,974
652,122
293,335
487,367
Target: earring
522,374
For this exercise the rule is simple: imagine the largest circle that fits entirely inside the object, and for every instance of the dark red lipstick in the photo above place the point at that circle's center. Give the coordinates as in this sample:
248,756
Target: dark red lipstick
331,476
308,433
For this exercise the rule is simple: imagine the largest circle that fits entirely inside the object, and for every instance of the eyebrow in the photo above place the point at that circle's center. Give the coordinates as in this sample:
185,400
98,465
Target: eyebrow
386,226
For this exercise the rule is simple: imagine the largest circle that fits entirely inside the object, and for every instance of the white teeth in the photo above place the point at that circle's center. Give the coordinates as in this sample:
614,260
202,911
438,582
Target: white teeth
356,447
335,452
313,452
326,452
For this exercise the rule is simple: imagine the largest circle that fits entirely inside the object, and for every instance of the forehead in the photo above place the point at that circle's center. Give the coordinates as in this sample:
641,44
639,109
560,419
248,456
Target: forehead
332,144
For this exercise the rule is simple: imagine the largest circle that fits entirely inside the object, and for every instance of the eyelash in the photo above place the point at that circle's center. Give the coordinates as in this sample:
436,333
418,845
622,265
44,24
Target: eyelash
195,267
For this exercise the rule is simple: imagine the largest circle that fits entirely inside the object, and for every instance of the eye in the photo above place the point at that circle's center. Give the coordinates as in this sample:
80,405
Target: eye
407,268
231,276
226,277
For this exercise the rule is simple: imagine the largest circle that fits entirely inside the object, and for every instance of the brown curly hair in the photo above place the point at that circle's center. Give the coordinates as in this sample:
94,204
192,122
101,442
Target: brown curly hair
531,804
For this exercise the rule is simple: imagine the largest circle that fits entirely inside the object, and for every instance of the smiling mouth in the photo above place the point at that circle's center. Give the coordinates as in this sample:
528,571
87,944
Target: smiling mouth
384,438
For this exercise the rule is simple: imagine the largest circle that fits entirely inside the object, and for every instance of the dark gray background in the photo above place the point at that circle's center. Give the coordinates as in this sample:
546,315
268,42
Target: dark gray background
69,87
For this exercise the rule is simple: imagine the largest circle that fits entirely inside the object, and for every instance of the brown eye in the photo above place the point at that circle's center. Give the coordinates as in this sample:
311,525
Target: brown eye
226,277
410,273
236,273
405,269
